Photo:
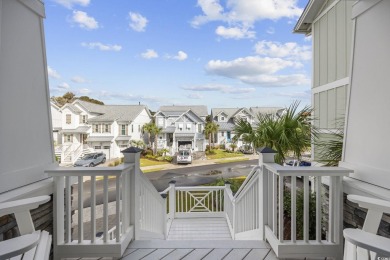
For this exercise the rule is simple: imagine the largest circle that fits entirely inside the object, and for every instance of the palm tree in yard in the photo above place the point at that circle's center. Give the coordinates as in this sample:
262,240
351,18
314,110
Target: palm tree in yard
148,128
210,129
244,130
290,132
156,131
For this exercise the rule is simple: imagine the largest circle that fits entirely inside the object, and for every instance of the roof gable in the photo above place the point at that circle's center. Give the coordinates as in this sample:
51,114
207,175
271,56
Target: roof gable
200,110
193,117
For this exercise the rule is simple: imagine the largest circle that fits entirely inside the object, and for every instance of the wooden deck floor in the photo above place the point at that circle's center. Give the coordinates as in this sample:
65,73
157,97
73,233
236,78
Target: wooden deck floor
199,229
197,249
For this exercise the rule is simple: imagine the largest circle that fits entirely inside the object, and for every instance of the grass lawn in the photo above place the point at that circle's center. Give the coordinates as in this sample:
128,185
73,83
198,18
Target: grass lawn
231,160
222,154
146,162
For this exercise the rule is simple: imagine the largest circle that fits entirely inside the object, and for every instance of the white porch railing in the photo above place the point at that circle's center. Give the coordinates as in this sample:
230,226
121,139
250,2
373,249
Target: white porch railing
276,181
139,209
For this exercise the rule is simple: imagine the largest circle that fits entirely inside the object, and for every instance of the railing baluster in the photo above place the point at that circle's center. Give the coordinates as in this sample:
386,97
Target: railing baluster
105,208
274,204
68,214
117,205
124,201
93,209
80,209
306,193
318,208
281,226
186,198
331,210
293,209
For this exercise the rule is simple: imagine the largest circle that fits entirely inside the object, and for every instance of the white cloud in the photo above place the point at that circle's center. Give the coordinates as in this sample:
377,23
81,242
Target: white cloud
63,85
181,55
245,13
234,32
101,46
78,79
84,21
194,96
289,50
270,30
251,65
107,95
149,54
138,22
307,38
83,91
53,73
220,88
256,70
70,3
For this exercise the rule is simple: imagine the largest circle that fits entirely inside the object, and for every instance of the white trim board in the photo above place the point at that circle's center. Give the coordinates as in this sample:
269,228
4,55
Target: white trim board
325,11
360,7
332,85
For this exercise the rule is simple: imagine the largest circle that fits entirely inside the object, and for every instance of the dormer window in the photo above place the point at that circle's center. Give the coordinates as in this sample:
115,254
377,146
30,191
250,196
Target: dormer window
188,127
180,127
83,119
222,118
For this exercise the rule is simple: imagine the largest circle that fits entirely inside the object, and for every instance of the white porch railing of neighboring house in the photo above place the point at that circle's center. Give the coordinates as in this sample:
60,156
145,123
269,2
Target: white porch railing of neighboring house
71,153
139,209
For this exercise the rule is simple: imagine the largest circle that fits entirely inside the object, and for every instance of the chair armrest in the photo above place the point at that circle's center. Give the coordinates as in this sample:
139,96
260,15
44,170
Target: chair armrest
19,245
22,205
371,203
369,241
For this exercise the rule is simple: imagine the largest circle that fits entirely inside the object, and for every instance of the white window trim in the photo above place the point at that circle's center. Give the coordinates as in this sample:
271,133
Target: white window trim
331,85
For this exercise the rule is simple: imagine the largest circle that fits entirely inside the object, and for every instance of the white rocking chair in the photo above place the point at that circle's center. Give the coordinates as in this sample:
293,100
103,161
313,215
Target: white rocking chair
31,244
365,244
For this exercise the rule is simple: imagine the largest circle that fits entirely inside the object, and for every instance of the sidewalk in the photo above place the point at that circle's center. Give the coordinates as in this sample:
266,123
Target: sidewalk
195,163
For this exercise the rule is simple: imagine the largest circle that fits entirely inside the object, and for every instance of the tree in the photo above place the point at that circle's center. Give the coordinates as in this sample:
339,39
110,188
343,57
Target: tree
331,150
148,128
156,131
210,129
69,97
234,142
91,100
290,132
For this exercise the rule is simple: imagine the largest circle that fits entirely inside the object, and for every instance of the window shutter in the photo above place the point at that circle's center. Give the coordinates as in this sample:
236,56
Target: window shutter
127,129
80,119
100,128
109,128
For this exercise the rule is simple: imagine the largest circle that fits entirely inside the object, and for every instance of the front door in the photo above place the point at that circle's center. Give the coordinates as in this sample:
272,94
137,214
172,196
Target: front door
84,138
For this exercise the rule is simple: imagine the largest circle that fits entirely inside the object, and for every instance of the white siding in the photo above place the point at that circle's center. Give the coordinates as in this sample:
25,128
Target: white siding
26,131
367,134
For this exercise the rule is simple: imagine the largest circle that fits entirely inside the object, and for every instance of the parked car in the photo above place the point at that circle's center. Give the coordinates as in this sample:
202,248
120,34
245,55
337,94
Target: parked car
184,156
90,160
298,163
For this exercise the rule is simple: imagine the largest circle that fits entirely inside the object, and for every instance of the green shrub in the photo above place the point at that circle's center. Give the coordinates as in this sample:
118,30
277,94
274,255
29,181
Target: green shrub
160,158
122,159
147,152
210,152
117,162
111,165
168,158
150,156
234,186
299,213
222,146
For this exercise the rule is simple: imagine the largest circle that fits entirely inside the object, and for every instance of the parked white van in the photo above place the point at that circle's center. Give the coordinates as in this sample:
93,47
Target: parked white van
184,156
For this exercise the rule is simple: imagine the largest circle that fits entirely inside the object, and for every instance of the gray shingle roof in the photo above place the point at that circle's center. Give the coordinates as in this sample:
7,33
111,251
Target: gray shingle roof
125,113
199,110
169,130
265,110
226,126
91,107
80,129
228,111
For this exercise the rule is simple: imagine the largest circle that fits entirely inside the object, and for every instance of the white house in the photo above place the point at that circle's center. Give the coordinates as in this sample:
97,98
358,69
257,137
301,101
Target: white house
182,127
103,128
226,119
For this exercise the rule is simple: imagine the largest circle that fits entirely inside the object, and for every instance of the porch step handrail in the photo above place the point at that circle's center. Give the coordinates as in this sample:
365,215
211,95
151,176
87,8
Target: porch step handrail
250,176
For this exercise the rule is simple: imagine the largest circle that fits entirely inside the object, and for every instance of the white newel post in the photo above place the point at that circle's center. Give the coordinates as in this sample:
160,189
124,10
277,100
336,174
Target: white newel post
133,155
172,199
266,155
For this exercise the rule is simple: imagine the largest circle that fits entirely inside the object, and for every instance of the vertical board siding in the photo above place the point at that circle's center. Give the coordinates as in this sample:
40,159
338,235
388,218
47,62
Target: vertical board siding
323,115
316,69
323,50
332,65
331,120
341,102
341,40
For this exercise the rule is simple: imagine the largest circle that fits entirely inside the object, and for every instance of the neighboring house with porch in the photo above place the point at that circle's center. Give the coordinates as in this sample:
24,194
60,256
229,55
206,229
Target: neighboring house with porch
90,127
226,119
182,127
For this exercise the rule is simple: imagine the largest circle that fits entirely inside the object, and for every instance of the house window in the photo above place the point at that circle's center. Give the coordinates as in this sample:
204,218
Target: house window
199,128
222,118
97,147
68,119
188,127
180,127
68,138
223,133
95,128
106,147
83,119
123,129
132,128
107,129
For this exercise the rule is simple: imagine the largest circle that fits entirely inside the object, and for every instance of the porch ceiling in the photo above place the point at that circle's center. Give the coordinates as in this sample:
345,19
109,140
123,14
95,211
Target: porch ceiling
100,138
80,129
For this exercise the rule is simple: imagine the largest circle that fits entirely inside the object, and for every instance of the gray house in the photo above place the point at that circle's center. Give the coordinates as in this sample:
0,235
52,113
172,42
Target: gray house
182,127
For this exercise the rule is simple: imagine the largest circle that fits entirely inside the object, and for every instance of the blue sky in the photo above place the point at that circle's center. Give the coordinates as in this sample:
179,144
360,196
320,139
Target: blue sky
233,53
